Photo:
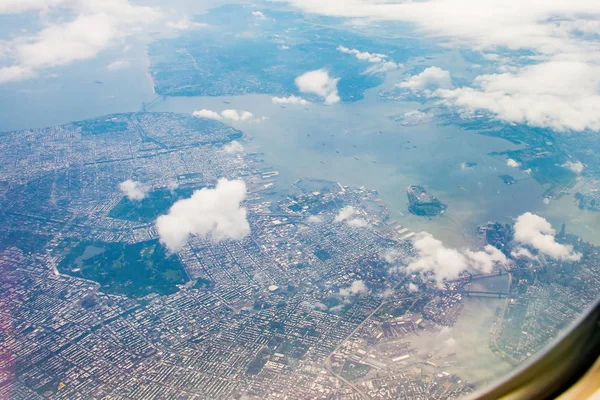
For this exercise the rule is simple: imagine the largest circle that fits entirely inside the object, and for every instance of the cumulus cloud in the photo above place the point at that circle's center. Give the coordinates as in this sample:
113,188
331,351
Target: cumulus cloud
489,24
357,287
96,25
391,255
357,223
576,166
314,219
20,6
234,147
337,308
230,114
435,261
513,163
416,117
370,57
289,100
430,78
134,190
380,60
561,95
486,260
118,65
559,92
384,66
522,252
204,113
320,83
412,288
258,15
15,73
345,213
214,213
237,116
535,231
185,23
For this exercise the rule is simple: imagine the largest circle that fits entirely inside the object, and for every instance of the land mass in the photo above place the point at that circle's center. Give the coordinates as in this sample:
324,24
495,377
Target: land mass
508,179
424,203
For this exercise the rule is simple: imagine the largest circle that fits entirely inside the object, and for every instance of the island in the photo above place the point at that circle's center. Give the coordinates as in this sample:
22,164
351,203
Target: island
588,200
508,180
423,203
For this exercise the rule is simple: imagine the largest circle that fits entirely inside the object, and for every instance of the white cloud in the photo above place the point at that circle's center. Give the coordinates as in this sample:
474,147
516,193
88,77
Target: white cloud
380,60
234,147
320,83
357,223
435,261
97,25
522,252
20,6
204,113
235,116
15,73
513,163
576,166
370,57
561,92
230,114
289,100
445,336
134,190
118,65
391,255
450,342
314,219
185,23
412,288
416,117
357,287
345,213
337,308
382,67
547,27
214,213
258,15
562,95
535,231
172,185
430,78
485,261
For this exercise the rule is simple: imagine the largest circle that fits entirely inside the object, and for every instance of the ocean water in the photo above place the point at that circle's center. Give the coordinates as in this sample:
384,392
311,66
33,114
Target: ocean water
351,143
359,144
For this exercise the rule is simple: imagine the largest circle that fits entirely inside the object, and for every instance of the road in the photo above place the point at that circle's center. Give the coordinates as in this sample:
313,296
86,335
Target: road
328,359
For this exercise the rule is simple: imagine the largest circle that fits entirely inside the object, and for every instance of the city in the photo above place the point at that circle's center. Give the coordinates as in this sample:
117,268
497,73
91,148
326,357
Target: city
311,304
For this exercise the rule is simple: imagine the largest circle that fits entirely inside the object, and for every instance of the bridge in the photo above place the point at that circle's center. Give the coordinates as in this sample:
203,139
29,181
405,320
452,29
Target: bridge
501,272
482,293
479,293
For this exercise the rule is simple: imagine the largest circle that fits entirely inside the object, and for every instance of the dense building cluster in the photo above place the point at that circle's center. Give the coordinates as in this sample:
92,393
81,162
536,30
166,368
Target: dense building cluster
305,306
